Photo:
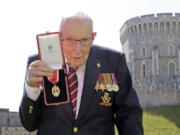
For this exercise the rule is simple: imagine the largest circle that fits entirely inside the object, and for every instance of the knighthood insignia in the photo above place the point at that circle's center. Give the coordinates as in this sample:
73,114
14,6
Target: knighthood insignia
106,82
106,100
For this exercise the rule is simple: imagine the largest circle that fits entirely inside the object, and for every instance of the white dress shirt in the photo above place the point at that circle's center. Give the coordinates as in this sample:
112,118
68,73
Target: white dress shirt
34,92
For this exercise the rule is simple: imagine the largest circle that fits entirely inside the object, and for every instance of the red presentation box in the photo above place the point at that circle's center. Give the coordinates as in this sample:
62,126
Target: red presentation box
55,87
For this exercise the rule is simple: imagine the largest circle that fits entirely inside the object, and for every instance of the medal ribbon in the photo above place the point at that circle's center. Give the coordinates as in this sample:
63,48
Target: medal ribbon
115,81
104,78
108,78
112,78
100,78
55,77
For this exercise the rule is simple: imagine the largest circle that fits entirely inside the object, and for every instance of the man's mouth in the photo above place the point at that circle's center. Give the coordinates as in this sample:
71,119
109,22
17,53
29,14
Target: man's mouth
77,58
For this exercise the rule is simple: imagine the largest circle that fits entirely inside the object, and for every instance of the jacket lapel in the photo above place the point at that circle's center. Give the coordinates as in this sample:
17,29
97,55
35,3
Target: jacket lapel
90,79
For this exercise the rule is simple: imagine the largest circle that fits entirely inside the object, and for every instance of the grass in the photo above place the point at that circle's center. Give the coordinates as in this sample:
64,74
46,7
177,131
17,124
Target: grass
161,120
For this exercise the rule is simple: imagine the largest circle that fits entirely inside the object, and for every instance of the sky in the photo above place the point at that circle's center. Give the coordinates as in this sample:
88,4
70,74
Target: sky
22,20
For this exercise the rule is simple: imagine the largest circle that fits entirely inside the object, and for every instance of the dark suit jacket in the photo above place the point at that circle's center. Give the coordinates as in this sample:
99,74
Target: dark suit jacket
93,118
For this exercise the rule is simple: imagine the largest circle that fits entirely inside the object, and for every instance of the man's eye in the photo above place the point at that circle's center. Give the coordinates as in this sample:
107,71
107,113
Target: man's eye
85,39
70,39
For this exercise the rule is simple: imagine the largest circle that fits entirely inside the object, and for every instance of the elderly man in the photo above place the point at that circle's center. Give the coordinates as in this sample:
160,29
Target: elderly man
105,96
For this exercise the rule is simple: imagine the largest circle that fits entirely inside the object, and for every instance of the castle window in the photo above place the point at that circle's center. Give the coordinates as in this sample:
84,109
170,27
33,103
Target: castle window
162,27
168,27
145,27
132,29
143,70
171,49
150,28
156,27
140,28
143,51
171,69
174,27
135,29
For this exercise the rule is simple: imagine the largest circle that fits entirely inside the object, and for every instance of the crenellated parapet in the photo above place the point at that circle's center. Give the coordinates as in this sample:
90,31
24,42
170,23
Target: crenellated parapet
152,23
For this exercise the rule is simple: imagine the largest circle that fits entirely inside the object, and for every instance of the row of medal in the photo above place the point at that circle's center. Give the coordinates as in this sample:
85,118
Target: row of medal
107,81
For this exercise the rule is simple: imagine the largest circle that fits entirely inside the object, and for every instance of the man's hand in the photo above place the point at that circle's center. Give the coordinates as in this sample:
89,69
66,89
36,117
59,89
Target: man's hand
36,71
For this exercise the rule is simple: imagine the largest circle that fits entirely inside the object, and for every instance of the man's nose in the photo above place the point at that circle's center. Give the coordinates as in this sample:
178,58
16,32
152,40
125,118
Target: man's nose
78,45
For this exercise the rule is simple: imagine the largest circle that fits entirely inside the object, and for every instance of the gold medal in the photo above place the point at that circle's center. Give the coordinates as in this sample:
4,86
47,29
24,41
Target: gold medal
102,87
55,91
97,87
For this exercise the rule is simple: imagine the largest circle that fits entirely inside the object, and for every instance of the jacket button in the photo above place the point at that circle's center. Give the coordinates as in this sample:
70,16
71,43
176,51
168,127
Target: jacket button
75,129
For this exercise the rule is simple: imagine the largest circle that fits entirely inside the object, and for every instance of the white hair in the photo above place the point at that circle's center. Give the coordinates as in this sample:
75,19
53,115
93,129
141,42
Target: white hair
78,15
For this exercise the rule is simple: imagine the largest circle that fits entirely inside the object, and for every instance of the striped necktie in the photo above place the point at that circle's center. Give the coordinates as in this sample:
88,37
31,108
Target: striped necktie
73,88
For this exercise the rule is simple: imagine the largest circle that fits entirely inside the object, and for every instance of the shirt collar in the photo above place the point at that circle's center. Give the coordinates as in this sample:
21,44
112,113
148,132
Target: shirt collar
79,69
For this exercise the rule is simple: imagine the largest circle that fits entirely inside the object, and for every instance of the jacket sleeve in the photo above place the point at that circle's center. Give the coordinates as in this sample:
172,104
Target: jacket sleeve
128,113
29,110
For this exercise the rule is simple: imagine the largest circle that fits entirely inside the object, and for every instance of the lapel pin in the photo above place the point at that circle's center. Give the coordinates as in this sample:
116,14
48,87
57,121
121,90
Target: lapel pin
98,65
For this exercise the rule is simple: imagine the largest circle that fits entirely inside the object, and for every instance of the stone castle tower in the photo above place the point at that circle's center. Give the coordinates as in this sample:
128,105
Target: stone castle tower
152,47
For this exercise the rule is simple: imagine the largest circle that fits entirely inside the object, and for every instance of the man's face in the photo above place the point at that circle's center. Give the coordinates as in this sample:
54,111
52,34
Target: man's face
77,37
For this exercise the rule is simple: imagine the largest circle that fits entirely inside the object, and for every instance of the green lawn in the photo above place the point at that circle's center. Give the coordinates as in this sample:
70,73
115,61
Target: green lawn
161,120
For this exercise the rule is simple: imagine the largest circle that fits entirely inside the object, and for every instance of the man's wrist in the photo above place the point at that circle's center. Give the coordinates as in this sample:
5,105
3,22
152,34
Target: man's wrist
32,92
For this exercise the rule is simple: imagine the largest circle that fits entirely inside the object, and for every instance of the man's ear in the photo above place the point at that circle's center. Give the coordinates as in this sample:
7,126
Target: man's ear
94,35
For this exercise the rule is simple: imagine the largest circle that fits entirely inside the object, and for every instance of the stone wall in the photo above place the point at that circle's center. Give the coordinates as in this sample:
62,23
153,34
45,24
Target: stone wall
15,131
